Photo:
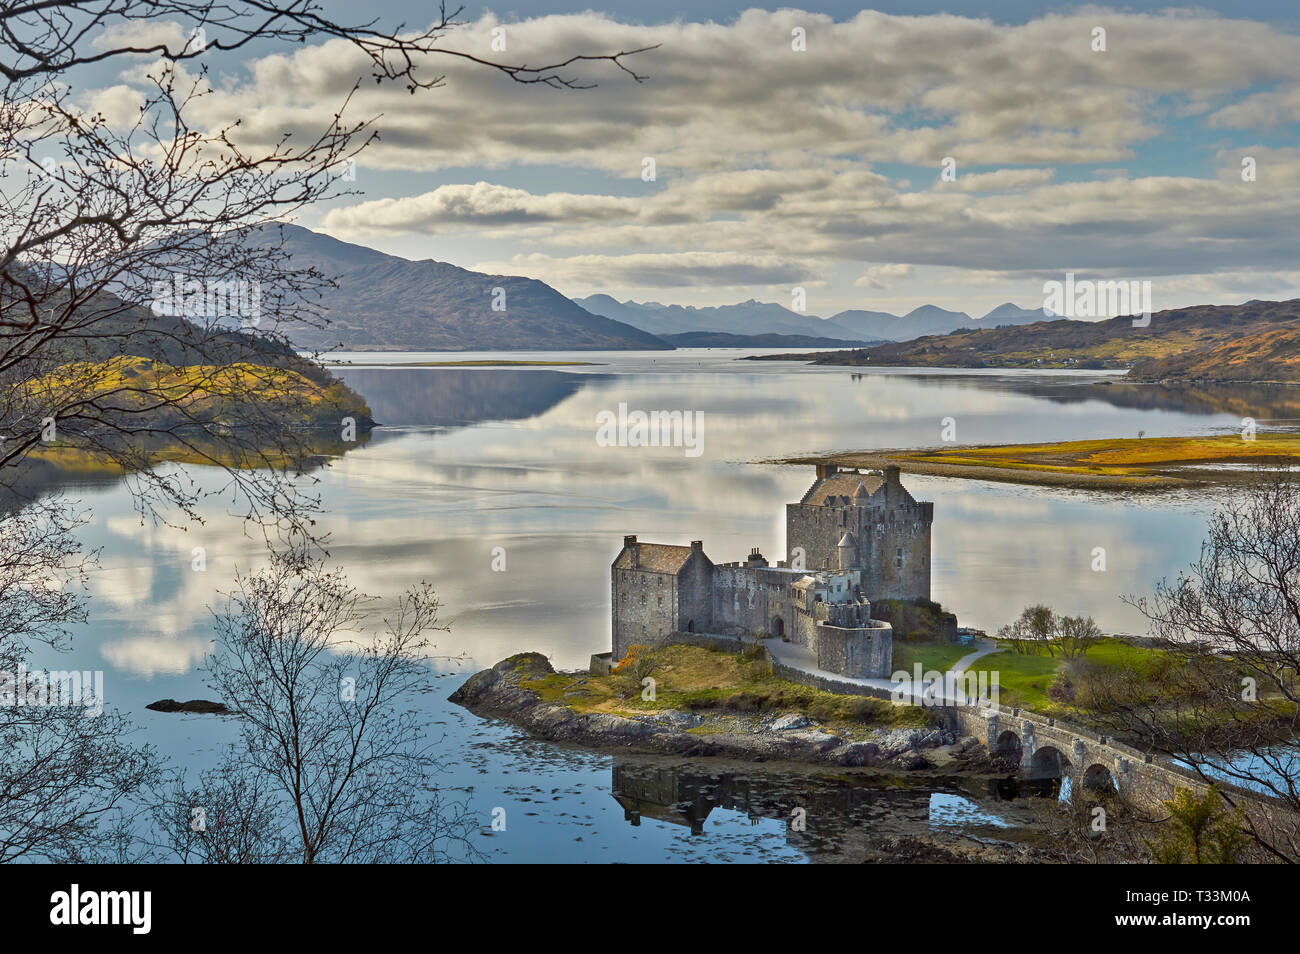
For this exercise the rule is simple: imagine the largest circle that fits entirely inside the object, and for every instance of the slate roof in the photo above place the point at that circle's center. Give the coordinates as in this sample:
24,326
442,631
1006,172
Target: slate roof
659,557
843,484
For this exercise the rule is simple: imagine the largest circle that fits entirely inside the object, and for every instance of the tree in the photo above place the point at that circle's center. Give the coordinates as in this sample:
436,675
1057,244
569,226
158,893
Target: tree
1227,701
1032,632
1077,635
67,768
97,216
1201,831
333,765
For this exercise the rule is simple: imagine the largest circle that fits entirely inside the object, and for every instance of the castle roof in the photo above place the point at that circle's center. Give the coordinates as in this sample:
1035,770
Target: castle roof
847,540
657,557
842,484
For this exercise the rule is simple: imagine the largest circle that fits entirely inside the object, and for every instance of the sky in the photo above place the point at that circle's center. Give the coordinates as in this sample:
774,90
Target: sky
958,154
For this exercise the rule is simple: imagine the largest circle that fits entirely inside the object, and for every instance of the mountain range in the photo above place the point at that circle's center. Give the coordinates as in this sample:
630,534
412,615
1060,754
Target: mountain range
386,303
758,318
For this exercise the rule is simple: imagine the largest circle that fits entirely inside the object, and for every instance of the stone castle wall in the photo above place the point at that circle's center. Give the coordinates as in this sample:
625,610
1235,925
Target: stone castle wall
644,608
749,600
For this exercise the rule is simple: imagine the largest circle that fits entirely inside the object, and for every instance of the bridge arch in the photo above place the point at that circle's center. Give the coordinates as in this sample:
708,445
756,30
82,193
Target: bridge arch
1048,763
1099,780
1008,750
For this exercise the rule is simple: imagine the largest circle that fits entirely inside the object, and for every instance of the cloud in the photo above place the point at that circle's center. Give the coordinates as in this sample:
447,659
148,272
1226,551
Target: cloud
879,87
662,270
776,166
879,276
480,204
1000,180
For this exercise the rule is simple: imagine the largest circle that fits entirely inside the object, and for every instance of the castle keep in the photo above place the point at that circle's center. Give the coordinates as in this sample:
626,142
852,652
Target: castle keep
853,536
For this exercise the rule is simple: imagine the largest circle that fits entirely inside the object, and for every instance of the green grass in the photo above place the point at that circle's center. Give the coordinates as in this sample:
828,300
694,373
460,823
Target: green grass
1022,680
932,656
706,681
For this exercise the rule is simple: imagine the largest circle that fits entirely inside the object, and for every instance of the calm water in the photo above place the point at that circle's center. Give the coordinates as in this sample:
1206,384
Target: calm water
474,459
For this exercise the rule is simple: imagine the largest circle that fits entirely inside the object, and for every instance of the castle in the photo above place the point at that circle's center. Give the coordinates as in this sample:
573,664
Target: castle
854,536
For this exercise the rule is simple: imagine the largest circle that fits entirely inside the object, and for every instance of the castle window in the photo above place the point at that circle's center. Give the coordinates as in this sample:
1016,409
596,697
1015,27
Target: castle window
898,558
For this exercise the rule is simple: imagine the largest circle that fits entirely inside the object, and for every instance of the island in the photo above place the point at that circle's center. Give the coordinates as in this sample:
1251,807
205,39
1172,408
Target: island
1133,463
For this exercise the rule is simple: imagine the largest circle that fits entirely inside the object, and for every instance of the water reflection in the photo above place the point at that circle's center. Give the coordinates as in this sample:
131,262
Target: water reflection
455,397
826,817
476,459
1262,402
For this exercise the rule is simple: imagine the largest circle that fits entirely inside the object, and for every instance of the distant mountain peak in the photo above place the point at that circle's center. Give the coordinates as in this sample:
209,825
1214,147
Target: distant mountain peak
1010,310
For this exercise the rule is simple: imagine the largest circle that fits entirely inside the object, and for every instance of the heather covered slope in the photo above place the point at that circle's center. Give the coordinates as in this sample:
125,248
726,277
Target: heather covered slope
1255,341
386,303
1271,355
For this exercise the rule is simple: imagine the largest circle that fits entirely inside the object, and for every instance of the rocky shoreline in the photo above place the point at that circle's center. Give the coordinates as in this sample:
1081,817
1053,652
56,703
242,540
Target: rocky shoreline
789,737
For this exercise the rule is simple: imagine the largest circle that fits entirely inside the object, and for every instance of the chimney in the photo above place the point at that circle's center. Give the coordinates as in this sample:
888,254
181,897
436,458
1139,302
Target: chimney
697,546
826,470
634,557
893,489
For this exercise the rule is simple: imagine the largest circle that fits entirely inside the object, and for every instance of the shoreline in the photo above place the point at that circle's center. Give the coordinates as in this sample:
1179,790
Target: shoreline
748,737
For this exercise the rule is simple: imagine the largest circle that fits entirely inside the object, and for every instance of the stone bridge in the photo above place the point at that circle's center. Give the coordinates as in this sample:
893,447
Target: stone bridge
1046,749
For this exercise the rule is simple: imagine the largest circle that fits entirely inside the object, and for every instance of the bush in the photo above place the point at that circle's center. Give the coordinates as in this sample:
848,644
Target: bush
1061,689
1201,831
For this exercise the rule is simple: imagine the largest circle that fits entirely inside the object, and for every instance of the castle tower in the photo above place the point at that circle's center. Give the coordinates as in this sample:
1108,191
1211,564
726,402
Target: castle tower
847,550
867,521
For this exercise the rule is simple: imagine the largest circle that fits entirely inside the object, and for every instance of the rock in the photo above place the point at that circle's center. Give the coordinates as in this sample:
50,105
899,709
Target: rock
674,718
819,739
858,754
913,761
198,706
791,720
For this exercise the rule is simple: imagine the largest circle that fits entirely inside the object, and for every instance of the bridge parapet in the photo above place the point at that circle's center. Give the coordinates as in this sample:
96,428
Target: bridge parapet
1142,777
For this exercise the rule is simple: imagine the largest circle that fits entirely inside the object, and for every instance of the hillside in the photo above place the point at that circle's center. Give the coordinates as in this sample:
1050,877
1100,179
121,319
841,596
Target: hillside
386,303
1255,341
128,361
1272,355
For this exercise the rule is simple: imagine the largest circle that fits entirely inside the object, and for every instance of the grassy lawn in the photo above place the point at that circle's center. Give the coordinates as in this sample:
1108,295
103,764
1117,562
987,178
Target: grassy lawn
1022,680
694,679
938,657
